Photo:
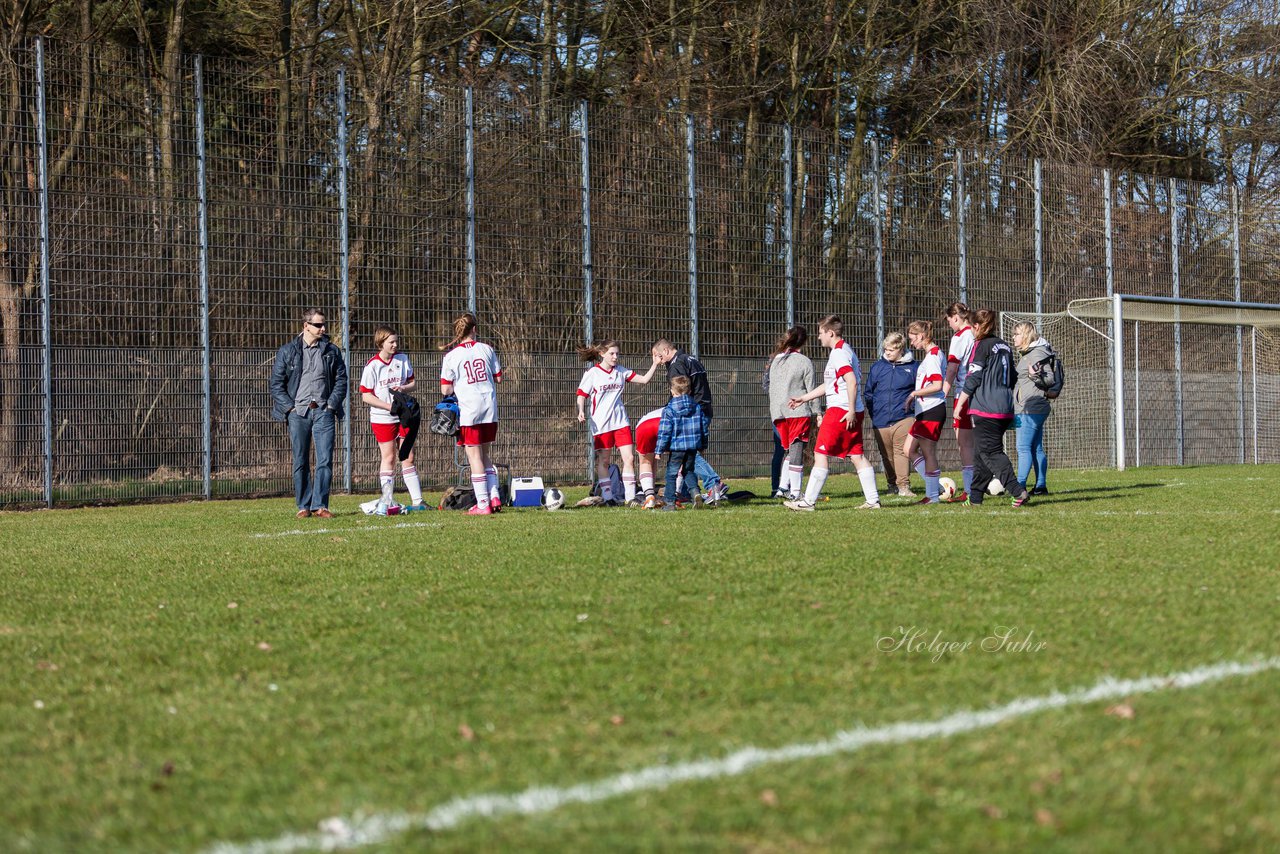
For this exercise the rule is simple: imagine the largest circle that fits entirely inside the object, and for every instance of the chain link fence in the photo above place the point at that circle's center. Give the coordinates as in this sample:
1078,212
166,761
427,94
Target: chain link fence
161,233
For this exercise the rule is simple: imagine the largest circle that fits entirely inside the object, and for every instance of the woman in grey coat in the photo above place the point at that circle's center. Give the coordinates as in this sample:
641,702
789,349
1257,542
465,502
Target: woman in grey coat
790,375
1031,408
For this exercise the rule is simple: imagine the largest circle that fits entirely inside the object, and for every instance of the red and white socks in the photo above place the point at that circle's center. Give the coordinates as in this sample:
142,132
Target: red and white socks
412,484
646,483
629,487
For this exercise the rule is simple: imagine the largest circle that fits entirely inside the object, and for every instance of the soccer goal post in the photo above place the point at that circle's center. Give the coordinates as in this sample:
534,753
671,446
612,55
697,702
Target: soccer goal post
1163,381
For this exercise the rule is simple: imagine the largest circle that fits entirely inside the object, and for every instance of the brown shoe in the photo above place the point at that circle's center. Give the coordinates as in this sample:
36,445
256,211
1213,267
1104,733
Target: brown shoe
322,513
302,514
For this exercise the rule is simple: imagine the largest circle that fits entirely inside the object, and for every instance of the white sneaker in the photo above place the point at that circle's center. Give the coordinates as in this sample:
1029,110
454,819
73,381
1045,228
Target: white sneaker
868,505
801,505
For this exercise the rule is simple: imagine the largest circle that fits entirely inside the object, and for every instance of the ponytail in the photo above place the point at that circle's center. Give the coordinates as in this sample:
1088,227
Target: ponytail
793,339
463,325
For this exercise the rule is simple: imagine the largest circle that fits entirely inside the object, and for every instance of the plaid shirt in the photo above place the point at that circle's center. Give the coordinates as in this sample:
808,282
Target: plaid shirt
683,426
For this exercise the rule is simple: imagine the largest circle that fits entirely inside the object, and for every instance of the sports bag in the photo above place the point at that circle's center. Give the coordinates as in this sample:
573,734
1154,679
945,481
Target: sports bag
446,416
1048,375
615,484
458,498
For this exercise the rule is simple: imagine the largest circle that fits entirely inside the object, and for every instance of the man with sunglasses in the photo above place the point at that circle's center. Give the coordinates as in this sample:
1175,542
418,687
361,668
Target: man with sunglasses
308,389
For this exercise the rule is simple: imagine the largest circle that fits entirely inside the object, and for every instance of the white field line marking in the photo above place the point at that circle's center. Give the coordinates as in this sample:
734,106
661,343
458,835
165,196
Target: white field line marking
303,531
339,833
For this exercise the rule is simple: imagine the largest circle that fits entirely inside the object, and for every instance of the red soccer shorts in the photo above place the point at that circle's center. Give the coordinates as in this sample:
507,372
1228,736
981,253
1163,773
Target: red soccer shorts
389,432
478,434
837,440
962,420
792,430
614,439
931,430
647,436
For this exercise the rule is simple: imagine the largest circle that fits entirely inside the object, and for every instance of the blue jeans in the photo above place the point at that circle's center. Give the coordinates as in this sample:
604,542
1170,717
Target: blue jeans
1031,447
316,426
702,471
677,460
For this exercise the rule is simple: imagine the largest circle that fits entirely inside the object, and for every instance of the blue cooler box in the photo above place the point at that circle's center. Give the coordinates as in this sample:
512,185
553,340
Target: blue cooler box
526,492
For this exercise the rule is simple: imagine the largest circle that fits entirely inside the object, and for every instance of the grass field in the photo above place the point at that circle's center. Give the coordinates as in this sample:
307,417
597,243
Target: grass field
186,675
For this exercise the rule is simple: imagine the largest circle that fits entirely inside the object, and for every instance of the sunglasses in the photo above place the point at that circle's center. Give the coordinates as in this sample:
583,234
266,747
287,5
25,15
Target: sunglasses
320,325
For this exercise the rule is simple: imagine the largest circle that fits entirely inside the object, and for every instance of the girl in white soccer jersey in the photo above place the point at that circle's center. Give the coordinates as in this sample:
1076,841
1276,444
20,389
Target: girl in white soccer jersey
603,384
646,448
959,354
930,405
841,432
389,370
471,371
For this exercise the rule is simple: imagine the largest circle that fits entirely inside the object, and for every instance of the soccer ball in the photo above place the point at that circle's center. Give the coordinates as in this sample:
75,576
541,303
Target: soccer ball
553,499
995,487
946,488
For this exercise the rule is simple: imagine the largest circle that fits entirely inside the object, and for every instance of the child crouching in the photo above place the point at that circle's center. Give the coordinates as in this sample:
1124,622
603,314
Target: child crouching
682,432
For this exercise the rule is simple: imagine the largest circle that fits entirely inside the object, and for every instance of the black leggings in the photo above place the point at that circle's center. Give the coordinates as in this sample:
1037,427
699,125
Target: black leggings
990,460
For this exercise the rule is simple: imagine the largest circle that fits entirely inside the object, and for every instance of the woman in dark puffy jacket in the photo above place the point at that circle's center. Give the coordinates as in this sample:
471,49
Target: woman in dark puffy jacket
988,390
890,382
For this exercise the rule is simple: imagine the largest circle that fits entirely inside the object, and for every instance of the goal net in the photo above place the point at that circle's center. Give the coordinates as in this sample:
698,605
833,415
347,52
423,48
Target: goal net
1183,382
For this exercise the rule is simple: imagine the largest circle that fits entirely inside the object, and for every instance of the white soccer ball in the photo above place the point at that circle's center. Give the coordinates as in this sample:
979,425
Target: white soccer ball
995,487
553,499
946,488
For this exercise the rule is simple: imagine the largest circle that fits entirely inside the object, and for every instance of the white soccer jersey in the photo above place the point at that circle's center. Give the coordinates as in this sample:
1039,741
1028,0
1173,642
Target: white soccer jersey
473,369
379,378
959,352
604,388
650,416
842,363
930,372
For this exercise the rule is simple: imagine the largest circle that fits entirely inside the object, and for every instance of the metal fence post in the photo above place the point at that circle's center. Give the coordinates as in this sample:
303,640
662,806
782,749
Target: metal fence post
958,201
1117,374
588,308
46,320
788,223
1235,272
878,234
1177,313
1106,220
206,355
1137,399
587,272
691,197
471,197
344,264
1039,222
1253,357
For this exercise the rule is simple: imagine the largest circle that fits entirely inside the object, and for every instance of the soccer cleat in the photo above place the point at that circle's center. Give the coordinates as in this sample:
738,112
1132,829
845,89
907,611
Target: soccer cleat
960,497
671,508
1023,501
778,493
869,505
495,504
970,503
480,510
1040,490
718,493
904,492
698,503
800,505
650,503
928,500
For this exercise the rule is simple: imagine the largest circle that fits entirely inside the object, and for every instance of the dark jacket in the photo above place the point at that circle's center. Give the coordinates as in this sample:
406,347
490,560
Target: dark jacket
286,373
683,426
990,380
684,365
888,386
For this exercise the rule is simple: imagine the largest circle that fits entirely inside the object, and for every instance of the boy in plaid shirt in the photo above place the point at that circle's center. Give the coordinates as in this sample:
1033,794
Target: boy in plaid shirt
681,434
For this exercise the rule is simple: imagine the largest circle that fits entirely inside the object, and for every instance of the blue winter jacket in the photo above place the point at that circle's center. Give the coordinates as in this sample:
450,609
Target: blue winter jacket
887,388
683,426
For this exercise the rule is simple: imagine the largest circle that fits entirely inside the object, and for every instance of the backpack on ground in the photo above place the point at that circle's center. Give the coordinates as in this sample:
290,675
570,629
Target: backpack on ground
1048,376
615,484
458,498
446,416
